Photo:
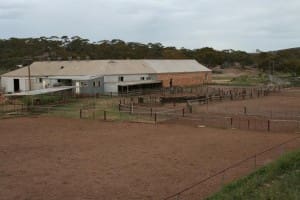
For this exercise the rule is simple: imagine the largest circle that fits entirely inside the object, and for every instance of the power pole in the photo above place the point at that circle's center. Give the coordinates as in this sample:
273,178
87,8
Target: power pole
29,77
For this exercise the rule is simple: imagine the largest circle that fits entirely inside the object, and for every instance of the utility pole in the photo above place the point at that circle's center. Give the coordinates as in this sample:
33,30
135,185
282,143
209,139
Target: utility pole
27,62
29,77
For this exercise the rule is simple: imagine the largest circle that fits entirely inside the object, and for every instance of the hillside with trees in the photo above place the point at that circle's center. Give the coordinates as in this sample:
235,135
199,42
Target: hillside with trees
22,51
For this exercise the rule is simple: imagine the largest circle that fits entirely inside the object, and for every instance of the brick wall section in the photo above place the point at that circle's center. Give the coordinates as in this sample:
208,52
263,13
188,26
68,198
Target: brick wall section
185,79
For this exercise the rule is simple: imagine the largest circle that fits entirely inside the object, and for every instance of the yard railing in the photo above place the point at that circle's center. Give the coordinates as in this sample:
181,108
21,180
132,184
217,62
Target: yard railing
243,122
11,109
157,115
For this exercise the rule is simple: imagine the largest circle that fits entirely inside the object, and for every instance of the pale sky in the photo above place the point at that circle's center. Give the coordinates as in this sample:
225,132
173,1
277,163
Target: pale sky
221,24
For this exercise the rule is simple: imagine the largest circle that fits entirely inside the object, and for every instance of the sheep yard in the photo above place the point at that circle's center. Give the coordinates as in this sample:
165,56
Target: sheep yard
56,157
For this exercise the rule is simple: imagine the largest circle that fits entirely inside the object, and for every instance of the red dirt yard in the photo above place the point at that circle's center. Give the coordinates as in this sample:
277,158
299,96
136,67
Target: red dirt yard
55,158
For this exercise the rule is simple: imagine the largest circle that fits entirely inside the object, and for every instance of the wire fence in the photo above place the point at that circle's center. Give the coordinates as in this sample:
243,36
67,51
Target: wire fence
146,116
137,113
219,98
244,110
11,109
215,181
195,94
242,122
179,115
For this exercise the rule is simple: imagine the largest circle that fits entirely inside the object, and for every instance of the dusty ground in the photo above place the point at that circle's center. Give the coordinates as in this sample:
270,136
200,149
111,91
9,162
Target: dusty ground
53,158
285,104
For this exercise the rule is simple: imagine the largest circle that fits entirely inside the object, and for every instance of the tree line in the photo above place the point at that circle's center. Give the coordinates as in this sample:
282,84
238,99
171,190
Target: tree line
22,51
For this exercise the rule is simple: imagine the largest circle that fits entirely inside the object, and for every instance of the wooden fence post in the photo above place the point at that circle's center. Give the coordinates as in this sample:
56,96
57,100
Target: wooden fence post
269,126
248,124
182,112
104,115
131,108
245,110
155,118
151,112
231,122
80,113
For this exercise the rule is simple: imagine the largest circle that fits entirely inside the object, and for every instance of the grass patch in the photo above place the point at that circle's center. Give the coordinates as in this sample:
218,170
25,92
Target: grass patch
244,80
250,80
92,108
278,180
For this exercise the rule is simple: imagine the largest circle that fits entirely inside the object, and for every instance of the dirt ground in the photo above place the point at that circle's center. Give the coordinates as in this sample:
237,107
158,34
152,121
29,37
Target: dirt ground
282,105
55,158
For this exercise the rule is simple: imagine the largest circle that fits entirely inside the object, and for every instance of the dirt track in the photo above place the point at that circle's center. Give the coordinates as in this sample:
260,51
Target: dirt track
47,158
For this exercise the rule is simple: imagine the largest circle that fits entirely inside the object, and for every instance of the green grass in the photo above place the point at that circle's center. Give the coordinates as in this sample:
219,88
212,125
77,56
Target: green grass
244,80
250,80
276,181
110,105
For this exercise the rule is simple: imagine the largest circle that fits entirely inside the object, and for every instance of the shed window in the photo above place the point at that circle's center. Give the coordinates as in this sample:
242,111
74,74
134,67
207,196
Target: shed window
99,83
142,78
84,84
40,80
121,78
94,83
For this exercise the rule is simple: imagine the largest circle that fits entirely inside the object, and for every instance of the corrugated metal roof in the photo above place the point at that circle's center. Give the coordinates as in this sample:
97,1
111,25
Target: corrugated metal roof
175,66
41,91
76,78
108,67
138,82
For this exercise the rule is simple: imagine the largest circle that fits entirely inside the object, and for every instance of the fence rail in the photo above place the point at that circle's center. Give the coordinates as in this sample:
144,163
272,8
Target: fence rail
243,122
138,113
222,172
12,108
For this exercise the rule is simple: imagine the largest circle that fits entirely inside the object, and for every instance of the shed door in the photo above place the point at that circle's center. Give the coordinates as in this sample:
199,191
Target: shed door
16,85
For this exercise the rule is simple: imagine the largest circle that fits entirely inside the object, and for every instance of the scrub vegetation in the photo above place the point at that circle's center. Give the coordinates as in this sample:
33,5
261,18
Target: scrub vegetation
23,51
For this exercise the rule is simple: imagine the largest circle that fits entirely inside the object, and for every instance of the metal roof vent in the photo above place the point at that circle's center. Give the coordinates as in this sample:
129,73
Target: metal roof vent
111,61
61,67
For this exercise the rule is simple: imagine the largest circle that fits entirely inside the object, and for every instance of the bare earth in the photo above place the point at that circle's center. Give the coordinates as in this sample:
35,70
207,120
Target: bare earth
285,104
52,158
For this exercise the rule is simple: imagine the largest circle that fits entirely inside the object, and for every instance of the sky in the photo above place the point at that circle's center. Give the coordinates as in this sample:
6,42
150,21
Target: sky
221,24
